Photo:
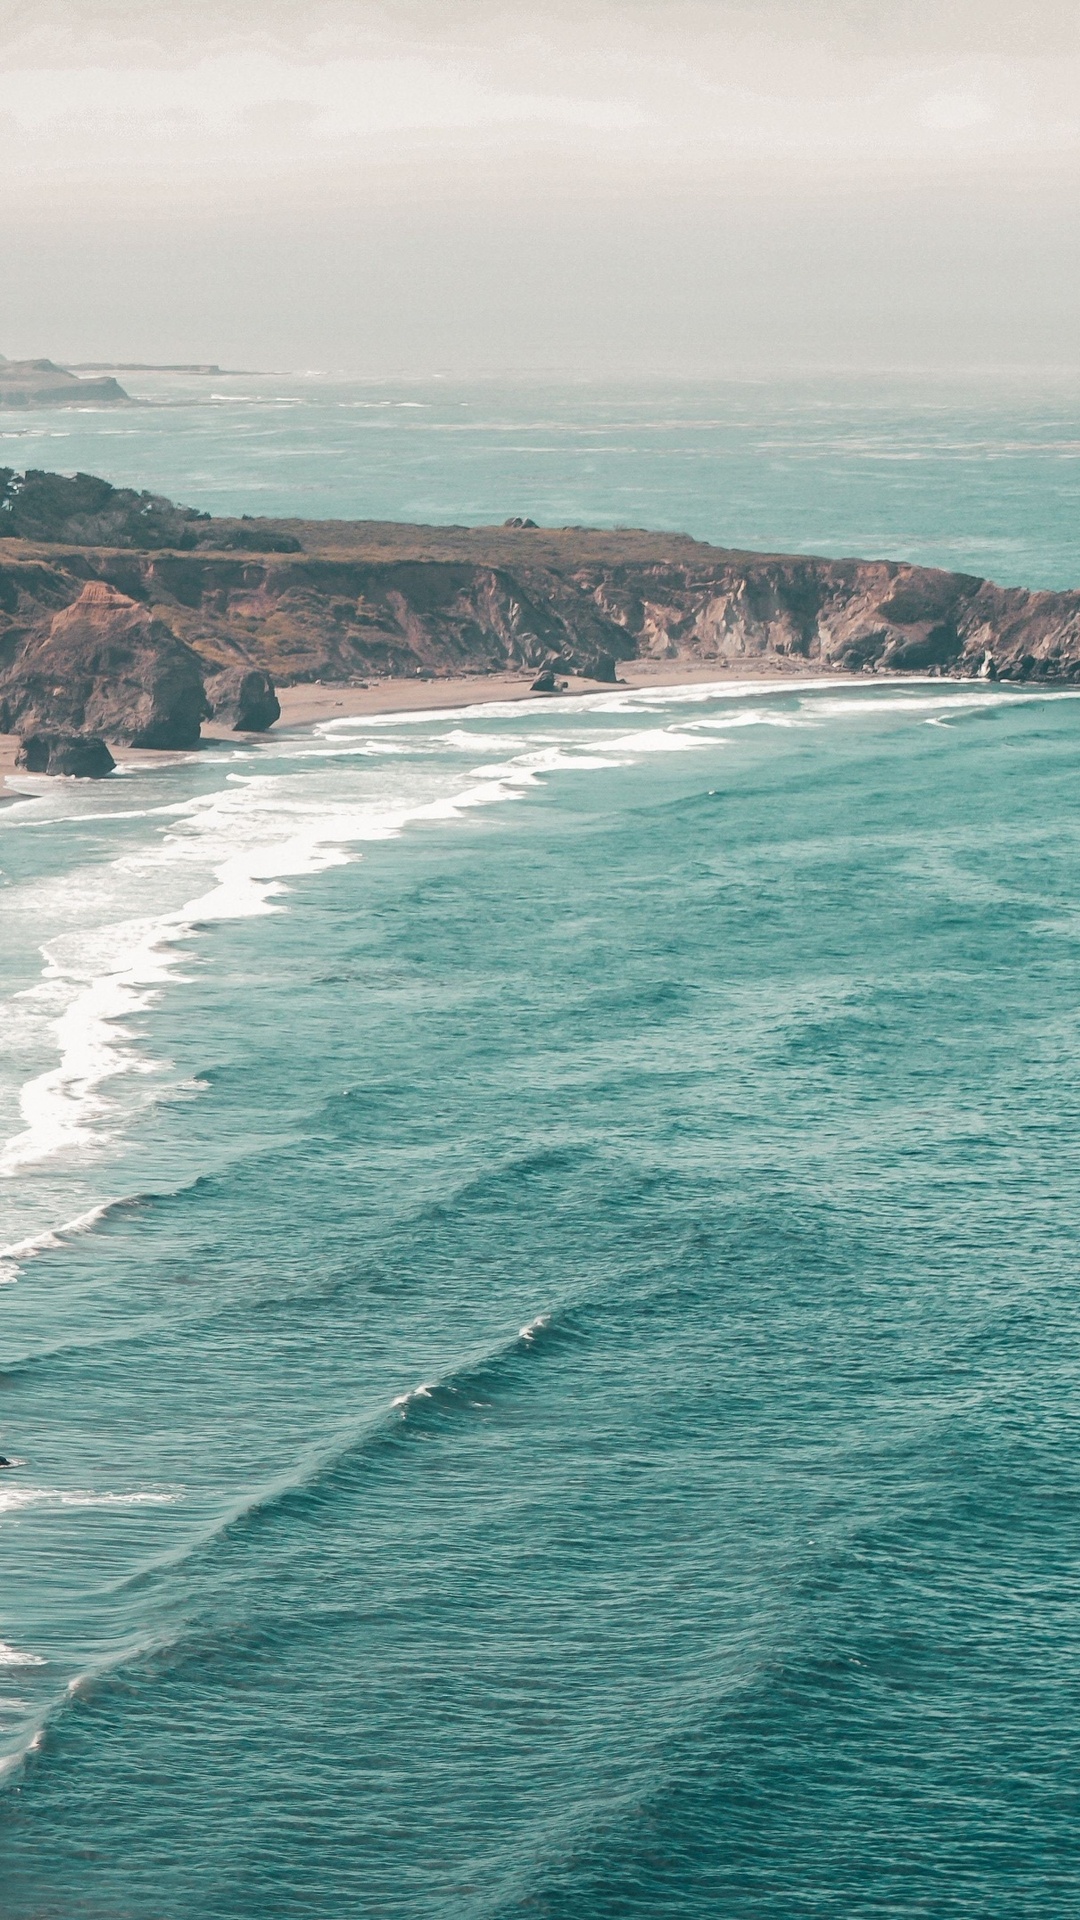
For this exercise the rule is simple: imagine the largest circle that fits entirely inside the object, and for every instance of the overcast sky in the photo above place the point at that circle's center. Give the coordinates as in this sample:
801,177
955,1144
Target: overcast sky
654,184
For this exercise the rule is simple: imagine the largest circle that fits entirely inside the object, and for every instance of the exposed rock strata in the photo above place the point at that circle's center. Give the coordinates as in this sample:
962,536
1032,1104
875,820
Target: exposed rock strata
106,666
351,600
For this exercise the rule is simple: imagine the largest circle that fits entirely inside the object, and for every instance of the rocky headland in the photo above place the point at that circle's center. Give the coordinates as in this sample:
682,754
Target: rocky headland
124,615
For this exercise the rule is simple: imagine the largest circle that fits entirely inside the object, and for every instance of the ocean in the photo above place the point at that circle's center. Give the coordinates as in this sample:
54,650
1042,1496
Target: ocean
980,474
538,1243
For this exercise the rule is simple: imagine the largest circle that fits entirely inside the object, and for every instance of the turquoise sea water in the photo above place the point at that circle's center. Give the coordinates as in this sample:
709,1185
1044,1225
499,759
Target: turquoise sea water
982,474
540,1317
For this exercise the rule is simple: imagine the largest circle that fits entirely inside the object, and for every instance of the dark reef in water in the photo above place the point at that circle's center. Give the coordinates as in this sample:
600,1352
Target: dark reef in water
179,598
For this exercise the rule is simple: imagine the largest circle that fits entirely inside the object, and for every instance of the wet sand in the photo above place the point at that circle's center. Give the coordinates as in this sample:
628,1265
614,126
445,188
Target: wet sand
304,706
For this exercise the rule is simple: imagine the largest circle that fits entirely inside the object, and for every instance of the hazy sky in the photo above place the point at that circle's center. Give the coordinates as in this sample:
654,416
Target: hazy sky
657,183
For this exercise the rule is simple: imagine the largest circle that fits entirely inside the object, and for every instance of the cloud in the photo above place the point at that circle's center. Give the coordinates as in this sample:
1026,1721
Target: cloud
682,161
188,91
955,112
346,97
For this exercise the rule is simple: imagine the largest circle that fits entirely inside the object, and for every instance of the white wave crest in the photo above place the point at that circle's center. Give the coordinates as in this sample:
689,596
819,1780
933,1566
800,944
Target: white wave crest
13,1657
60,1108
404,1401
17,1499
656,740
15,1256
525,769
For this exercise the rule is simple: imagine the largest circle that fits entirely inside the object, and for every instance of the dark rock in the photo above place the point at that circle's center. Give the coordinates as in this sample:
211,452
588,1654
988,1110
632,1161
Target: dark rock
82,755
544,682
106,667
244,699
924,648
518,521
603,668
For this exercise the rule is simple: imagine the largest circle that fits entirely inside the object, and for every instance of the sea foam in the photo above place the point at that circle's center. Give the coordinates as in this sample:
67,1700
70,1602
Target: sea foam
251,839
15,1256
14,1657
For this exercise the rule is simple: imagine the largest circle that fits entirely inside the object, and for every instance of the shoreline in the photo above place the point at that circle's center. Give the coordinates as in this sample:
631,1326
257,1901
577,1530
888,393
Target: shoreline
312,702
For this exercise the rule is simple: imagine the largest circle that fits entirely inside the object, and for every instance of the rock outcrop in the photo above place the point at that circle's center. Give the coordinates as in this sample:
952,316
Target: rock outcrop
244,699
106,667
341,601
78,754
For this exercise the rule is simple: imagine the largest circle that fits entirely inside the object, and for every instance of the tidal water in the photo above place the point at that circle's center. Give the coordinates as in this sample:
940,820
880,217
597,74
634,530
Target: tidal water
540,1322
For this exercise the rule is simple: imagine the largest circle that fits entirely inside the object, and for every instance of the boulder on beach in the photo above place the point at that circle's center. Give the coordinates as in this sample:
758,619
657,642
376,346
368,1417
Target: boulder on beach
244,699
81,755
106,667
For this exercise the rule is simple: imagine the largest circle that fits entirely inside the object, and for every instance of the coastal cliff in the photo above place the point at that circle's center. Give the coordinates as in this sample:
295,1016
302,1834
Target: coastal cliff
336,600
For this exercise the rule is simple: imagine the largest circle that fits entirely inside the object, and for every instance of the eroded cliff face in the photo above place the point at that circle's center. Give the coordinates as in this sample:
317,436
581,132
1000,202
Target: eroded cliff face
363,599
105,667
877,616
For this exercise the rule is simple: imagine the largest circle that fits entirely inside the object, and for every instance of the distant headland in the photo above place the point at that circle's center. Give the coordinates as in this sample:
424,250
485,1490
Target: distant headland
44,383
41,383
154,366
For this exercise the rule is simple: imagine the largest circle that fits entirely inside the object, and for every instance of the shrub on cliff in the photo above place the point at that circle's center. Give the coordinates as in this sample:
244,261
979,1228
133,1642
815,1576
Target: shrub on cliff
87,511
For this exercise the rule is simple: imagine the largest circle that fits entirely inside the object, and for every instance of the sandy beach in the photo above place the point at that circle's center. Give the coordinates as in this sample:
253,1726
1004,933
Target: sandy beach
307,704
